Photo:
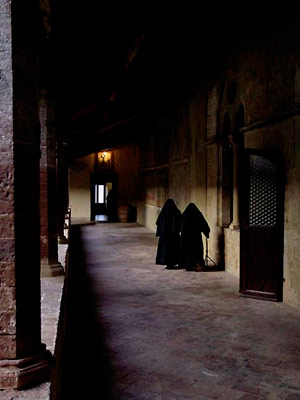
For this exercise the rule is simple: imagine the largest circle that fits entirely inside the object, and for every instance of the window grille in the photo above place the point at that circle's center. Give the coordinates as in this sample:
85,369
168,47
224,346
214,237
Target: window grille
263,192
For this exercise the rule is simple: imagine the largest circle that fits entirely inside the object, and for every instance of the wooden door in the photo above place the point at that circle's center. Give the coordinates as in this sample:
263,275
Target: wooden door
261,227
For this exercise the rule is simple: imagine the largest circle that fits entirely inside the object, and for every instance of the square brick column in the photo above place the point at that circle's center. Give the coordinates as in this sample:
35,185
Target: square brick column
62,190
49,251
24,359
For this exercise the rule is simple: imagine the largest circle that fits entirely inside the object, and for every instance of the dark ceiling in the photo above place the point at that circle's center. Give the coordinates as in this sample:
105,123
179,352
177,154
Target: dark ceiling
108,73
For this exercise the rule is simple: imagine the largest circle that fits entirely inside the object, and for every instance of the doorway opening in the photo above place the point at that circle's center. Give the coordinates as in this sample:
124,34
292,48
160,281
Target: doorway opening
104,202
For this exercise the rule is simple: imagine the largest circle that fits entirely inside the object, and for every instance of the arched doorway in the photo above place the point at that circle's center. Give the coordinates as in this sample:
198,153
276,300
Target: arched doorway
261,227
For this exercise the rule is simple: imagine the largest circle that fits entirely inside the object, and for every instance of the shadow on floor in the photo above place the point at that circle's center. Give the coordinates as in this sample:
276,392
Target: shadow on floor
82,365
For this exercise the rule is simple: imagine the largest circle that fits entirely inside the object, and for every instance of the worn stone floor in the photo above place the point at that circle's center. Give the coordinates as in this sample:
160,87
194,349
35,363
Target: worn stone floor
139,331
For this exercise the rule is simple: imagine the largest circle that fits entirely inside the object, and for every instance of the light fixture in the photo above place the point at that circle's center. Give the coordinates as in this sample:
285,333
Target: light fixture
104,158
103,155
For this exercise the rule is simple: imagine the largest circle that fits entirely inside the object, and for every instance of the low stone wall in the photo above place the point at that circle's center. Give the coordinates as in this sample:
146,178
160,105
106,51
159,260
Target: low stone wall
147,215
232,251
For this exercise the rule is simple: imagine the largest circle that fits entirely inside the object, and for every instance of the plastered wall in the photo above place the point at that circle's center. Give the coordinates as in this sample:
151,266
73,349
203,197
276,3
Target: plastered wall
79,187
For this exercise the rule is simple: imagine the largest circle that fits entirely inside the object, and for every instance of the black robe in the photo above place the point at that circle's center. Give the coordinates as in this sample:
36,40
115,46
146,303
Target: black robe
193,224
168,227
112,205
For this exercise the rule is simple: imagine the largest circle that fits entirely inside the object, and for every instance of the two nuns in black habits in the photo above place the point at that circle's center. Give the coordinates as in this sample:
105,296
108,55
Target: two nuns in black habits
180,237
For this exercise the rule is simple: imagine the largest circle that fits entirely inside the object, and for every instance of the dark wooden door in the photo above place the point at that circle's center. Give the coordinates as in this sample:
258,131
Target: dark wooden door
261,227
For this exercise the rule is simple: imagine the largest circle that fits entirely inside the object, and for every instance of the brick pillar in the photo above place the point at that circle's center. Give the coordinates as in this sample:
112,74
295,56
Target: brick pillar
62,191
24,359
49,251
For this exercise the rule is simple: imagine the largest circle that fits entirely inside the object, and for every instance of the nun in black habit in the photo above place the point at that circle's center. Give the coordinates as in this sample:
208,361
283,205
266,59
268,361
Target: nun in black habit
168,227
193,224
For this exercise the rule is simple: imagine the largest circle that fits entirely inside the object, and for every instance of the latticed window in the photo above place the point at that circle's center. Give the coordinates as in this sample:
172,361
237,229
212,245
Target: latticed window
263,192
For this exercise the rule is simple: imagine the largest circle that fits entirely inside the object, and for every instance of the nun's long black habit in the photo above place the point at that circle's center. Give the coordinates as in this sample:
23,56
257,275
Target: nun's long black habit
193,224
168,227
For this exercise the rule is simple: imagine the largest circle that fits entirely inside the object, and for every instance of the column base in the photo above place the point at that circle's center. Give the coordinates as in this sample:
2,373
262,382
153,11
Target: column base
62,239
234,227
25,372
49,270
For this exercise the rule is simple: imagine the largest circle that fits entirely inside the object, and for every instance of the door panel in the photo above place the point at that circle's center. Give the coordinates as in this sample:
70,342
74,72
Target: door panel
261,228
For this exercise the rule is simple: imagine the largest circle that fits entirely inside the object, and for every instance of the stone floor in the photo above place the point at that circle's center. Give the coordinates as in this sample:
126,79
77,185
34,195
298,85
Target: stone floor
139,331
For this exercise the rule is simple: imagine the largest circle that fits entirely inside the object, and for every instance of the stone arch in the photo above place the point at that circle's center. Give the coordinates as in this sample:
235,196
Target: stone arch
228,101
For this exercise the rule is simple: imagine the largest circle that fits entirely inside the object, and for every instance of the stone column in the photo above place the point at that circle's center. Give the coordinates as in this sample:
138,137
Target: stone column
62,191
49,251
24,360
235,224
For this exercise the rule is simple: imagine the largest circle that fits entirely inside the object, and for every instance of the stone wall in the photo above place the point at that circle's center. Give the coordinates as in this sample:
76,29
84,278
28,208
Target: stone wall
271,98
184,173
257,89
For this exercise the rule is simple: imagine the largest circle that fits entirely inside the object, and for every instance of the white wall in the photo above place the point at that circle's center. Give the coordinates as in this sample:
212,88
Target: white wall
79,191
